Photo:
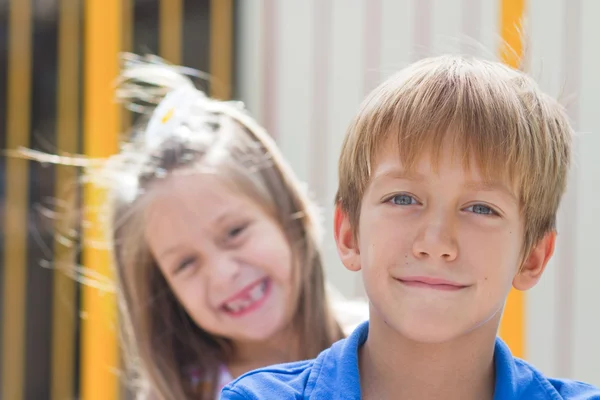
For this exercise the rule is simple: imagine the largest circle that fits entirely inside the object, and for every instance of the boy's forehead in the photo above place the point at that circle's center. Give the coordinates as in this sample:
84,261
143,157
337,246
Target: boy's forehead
388,158
387,164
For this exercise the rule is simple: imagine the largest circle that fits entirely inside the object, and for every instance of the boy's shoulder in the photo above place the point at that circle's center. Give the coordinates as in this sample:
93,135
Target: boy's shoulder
332,375
518,379
575,390
283,381
538,386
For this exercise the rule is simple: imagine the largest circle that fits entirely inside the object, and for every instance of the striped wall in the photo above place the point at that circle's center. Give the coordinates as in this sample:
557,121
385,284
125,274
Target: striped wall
58,60
303,67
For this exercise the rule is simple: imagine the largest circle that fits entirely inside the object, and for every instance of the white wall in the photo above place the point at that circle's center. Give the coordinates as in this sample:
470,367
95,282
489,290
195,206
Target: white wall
304,66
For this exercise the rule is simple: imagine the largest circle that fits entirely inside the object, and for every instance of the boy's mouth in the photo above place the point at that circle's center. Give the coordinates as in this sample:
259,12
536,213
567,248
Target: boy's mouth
248,299
430,283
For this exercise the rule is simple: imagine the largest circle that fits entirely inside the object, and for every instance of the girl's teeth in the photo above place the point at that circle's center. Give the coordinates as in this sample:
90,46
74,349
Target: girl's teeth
255,294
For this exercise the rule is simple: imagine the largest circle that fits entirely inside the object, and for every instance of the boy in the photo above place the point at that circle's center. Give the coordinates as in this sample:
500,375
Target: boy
450,178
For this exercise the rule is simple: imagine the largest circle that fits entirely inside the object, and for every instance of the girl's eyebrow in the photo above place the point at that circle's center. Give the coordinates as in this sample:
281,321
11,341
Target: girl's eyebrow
218,220
170,250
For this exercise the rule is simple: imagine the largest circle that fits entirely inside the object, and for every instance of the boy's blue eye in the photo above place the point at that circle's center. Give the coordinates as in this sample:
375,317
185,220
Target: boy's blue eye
481,209
403,200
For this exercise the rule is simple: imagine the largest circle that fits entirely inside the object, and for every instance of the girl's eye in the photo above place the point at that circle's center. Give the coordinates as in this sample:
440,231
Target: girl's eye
403,200
185,263
235,235
237,231
481,209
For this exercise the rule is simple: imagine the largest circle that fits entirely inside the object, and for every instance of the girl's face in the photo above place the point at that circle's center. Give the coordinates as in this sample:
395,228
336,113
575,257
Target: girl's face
226,260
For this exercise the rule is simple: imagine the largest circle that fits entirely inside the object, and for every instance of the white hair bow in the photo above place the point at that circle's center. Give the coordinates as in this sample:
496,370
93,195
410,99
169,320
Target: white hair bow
174,111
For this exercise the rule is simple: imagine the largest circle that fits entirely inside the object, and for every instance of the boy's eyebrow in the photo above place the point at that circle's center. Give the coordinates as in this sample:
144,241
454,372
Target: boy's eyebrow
397,173
491,186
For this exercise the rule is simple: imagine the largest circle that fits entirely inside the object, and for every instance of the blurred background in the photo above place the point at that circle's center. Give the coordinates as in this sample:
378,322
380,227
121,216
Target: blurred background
302,68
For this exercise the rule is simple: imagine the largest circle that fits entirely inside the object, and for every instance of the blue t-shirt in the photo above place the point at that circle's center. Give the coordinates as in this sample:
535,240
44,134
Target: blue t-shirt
334,375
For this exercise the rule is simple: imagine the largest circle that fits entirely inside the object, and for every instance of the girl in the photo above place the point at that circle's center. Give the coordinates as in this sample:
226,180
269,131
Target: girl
216,245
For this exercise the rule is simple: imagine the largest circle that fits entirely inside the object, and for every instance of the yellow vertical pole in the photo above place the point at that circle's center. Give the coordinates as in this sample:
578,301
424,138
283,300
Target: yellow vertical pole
17,200
511,24
127,37
100,356
64,311
127,19
171,30
512,326
221,48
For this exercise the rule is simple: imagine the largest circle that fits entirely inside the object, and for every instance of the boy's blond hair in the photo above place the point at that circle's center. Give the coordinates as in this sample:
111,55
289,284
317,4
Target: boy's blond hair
496,116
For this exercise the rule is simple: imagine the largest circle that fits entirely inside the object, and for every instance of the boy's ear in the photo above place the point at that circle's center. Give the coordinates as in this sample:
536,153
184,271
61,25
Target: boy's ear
534,265
345,241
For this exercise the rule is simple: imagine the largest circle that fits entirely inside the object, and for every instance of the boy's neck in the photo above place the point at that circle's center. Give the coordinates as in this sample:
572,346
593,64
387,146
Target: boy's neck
392,366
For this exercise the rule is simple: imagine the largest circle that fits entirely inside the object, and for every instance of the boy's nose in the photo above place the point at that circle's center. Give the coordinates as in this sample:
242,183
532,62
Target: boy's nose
436,240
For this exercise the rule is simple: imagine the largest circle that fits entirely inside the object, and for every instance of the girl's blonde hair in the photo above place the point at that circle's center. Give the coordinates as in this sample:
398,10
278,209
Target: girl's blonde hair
188,131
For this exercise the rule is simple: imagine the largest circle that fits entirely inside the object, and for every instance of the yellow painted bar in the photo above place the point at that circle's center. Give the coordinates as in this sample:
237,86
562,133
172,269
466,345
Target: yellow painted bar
511,24
221,48
64,307
100,356
125,116
171,30
17,200
127,37
512,326
127,20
